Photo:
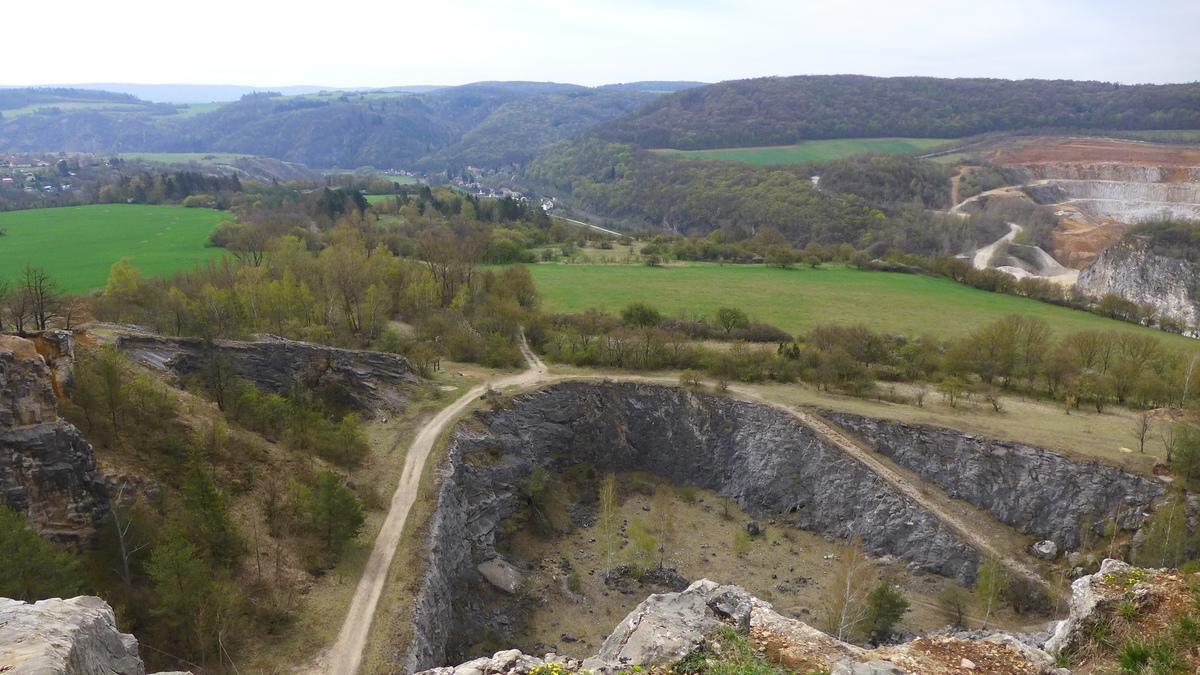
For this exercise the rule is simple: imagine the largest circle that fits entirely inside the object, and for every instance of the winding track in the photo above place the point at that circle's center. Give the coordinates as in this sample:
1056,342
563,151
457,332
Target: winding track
346,655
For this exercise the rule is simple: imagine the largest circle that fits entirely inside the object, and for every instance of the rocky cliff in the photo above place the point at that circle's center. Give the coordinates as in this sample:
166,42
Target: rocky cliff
1130,269
1033,490
77,636
765,460
46,467
368,381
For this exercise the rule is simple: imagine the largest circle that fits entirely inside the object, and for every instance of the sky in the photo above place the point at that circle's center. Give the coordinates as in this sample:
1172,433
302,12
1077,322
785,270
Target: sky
373,43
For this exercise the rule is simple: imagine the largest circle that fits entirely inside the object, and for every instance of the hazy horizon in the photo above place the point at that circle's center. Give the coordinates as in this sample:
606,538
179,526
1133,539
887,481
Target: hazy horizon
384,44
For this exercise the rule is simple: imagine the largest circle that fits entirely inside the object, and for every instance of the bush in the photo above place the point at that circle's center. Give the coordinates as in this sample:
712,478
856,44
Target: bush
885,607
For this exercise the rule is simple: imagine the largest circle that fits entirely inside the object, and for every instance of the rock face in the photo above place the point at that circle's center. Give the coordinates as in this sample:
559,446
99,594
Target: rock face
46,467
1034,490
369,381
769,463
1133,271
78,636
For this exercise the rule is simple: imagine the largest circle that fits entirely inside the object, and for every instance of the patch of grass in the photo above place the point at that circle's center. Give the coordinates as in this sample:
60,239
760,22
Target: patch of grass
1081,435
798,299
78,244
194,109
808,151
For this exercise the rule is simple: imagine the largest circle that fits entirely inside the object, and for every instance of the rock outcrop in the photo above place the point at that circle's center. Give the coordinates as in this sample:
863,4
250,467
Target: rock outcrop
669,626
77,636
367,381
47,469
1131,269
1033,490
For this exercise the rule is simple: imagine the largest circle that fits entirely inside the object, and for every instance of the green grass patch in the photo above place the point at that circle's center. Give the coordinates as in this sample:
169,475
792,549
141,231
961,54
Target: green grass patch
194,109
798,299
78,244
183,157
808,151
375,199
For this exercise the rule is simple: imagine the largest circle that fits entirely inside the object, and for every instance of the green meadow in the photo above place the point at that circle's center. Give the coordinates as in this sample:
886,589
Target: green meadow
809,151
798,299
78,244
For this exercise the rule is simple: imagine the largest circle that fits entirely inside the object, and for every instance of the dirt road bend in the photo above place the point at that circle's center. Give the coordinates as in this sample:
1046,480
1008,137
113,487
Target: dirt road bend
346,654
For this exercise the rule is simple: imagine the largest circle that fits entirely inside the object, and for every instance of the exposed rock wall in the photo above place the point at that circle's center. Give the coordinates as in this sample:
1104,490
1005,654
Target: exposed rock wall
372,381
46,467
1034,490
1133,271
769,463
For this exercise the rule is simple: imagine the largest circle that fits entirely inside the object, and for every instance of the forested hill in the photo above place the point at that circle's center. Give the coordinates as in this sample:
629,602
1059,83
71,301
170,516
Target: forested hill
486,124
786,110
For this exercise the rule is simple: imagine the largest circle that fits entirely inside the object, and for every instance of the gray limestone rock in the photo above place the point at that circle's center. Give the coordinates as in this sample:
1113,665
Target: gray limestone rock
1046,549
667,627
77,636
501,574
1034,490
847,667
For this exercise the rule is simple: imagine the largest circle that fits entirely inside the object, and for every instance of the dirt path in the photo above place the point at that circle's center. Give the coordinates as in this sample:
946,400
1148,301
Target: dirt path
346,655
983,256
954,200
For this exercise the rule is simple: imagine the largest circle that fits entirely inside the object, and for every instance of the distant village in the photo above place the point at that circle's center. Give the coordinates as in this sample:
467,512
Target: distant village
22,172
477,189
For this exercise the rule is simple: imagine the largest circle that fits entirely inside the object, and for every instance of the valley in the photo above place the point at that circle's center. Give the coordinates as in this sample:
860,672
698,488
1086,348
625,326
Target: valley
813,374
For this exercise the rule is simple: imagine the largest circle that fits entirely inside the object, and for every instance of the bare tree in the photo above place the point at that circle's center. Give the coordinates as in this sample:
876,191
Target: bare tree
608,517
1142,425
846,600
43,295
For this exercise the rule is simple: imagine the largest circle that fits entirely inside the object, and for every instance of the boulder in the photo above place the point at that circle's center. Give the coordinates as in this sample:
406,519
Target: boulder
1046,549
667,627
501,574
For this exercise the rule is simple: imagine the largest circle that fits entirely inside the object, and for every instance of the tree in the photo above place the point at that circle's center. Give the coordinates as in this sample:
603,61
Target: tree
608,517
663,510
641,314
205,517
336,513
846,599
30,567
732,318
42,294
194,606
885,607
990,585
1141,427
1184,455
954,606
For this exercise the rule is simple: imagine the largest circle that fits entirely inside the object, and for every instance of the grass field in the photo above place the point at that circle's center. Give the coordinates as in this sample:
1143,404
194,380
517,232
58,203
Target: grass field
808,151
78,244
183,157
194,109
800,298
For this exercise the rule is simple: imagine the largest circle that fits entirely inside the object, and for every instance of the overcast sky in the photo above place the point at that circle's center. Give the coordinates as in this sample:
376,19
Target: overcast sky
380,43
